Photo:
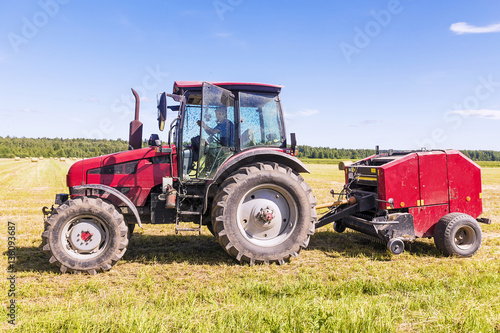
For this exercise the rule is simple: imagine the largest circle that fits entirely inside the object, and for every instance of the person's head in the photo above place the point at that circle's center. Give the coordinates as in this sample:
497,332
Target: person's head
220,114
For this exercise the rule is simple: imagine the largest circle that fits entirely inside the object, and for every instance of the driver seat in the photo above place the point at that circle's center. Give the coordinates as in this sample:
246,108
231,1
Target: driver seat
247,138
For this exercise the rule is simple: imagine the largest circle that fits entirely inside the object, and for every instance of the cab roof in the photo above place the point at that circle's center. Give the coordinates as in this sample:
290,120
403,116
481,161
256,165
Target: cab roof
181,86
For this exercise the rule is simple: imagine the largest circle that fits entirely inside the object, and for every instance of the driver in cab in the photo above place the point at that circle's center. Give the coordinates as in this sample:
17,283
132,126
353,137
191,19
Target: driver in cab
224,128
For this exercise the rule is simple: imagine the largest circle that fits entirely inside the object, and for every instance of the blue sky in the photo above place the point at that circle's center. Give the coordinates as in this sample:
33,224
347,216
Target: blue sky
399,74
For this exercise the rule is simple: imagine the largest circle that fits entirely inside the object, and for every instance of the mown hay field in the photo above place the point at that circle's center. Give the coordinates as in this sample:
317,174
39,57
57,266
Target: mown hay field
187,283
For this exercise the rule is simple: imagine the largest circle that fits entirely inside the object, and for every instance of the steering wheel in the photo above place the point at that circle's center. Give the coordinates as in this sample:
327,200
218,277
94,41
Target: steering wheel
213,138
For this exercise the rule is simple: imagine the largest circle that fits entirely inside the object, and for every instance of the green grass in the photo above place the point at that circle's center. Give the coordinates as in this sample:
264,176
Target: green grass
184,283
489,164
323,160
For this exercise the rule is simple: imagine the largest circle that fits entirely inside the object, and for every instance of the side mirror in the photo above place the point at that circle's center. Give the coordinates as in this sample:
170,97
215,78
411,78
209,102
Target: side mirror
162,111
293,143
154,140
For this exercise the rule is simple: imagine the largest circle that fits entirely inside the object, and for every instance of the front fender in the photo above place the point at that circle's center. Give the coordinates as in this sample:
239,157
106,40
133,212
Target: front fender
116,193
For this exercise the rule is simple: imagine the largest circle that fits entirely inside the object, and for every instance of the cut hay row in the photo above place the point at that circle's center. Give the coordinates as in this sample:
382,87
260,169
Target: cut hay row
36,159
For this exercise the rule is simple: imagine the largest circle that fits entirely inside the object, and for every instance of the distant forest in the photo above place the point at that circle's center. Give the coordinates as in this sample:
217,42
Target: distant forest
11,147
334,153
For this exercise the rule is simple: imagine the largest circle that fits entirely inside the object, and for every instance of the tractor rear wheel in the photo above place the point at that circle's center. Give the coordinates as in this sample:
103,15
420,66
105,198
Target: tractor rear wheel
85,234
458,234
264,213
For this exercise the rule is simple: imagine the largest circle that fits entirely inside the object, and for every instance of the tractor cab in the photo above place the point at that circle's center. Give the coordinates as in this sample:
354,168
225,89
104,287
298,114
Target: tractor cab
217,121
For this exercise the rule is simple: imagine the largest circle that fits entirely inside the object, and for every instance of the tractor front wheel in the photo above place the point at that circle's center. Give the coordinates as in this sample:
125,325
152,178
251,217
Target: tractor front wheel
264,213
85,234
458,234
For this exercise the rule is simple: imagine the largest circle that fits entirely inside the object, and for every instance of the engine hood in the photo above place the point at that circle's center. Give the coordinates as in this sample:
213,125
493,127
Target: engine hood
77,173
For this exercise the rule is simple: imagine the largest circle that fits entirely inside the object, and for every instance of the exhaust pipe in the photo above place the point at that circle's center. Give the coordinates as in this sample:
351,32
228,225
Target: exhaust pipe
135,134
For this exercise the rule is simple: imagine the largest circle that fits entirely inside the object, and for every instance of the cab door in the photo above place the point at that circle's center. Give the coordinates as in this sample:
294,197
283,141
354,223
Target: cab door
217,130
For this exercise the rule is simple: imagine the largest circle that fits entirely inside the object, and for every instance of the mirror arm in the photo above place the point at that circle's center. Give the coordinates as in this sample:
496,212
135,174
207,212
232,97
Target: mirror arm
177,98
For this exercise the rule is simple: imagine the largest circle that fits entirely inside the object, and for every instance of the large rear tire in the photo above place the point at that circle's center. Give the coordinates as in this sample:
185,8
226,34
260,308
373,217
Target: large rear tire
85,234
458,234
264,213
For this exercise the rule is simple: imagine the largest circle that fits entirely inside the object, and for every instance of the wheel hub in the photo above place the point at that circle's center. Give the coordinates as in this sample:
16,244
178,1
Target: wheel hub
465,237
266,214
264,220
85,236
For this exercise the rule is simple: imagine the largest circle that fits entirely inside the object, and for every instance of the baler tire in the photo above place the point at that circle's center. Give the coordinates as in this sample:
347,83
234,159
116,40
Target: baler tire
249,191
339,227
458,234
105,229
396,246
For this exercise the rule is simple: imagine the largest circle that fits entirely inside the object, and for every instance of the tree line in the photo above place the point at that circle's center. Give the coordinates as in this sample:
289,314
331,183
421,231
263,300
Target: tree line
11,147
335,153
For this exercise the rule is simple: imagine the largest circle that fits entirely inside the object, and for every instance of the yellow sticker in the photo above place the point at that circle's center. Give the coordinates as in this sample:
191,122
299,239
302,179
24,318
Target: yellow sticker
369,178
480,195
374,171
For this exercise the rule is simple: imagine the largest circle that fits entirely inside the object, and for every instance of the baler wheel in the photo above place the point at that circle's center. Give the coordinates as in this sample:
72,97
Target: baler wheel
264,213
458,234
396,246
339,226
85,234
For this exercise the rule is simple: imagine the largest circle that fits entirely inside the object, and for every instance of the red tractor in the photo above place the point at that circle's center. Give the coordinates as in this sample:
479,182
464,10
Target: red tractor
226,166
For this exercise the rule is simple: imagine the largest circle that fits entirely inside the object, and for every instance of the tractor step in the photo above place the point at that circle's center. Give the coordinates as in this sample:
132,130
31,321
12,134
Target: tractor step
191,196
197,212
188,212
187,229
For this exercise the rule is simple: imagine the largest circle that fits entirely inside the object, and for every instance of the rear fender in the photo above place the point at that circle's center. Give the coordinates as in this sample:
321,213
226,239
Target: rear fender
258,155
250,157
